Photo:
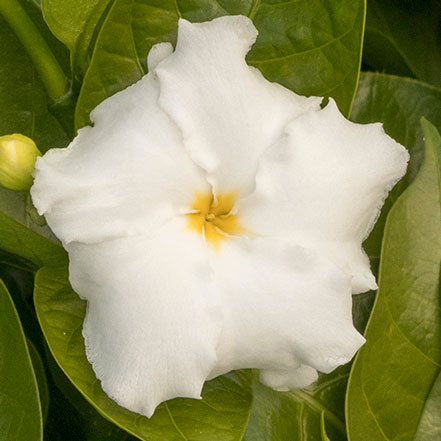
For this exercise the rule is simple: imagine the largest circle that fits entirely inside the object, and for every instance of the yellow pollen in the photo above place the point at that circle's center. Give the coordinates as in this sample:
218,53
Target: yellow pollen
212,217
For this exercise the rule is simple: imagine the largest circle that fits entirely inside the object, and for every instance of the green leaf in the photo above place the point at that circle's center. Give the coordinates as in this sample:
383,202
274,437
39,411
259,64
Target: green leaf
75,23
398,103
25,243
21,417
23,101
66,18
312,47
50,60
37,251
40,375
403,38
115,63
297,415
394,372
18,206
430,424
221,415
361,308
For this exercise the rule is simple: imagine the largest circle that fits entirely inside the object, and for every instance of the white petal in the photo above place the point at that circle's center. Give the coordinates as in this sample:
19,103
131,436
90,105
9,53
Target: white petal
158,53
324,186
228,113
153,317
125,175
285,380
287,311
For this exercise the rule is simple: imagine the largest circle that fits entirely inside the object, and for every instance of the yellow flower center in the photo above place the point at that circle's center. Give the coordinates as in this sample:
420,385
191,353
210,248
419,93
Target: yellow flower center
213,217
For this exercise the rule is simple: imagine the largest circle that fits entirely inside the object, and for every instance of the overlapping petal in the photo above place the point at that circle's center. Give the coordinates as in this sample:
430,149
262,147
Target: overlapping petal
228,113
153,316
323,185
286,311
124,176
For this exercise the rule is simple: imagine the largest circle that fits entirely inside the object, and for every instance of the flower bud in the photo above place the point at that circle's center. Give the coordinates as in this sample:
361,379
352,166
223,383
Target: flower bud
18,154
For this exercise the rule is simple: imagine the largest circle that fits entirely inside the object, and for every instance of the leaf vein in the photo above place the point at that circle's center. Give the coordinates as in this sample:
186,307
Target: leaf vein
372,413
174,422
308,51
254,8
411,343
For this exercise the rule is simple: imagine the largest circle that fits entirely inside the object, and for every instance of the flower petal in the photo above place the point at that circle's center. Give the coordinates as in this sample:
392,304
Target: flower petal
285,380
153,317
228,113
287,311
158,53
324,186
125,175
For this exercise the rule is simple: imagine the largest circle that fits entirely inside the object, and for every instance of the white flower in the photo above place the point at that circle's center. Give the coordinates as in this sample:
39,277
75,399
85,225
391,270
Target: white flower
214,221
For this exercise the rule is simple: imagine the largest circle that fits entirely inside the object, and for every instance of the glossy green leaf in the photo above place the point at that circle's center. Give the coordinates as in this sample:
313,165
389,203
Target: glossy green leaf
24,21
40,375
16,239
404,38
23,102
66,19
20,416
430,424
310,46
393,374
398,103
75,23
297,415
361,308
18,205
19,245
221,415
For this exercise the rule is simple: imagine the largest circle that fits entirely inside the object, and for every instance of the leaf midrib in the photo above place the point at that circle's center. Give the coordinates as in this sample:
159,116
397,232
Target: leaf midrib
377,423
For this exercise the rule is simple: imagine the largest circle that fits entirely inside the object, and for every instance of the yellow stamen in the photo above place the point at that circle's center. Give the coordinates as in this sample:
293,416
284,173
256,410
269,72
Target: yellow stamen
213,217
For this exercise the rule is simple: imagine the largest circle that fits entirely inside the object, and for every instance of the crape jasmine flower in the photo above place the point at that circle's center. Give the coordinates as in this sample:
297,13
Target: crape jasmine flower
214,221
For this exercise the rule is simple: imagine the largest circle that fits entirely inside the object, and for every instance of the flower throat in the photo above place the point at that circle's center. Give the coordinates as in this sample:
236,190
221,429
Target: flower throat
213,217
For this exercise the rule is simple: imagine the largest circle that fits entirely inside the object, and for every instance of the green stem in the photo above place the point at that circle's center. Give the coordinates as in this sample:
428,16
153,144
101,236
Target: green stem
49,71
